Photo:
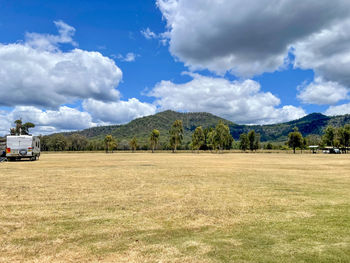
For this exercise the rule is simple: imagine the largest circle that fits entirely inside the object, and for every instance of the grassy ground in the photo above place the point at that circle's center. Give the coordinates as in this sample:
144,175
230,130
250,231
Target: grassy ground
166,207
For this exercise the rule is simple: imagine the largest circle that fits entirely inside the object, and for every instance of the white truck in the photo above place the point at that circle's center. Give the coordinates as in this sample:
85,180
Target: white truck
22,146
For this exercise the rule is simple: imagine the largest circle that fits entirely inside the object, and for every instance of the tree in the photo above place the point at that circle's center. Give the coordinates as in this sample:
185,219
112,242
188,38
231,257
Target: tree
77,142
198,138
340,136
243,141
304,143
133,144
251,138
257,141
109,140
223,136
347,136
12,131
57,142
176,134
18,126
96,145
254,140
269,146
44,143
212,140
313,139
329,136
21,128
113,145
154,139
343,136
206,145
26,127
295,139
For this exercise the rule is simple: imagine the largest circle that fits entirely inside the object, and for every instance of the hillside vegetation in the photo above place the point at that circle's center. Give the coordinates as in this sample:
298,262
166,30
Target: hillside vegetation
313,123
142,127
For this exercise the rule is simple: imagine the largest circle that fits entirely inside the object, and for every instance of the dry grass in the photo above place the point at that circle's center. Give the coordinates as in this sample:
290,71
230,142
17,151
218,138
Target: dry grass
123,207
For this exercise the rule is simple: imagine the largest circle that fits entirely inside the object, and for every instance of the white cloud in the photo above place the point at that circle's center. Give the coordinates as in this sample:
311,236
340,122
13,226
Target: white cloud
38,73
50,42
323,92
241,102
246,37
118,112
327,52
37,78
338,110
69,119
5,123
163,37
129,57
148,34
49,121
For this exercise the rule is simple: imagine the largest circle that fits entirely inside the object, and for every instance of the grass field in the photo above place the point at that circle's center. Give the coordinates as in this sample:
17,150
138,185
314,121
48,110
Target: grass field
142,207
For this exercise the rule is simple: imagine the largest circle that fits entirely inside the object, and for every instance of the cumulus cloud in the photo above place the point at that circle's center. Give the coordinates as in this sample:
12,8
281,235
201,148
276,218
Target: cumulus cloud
118,112
65,118
327,52
38,73
47,121
38,78
245,37
323,92
238,101
338,110
5,123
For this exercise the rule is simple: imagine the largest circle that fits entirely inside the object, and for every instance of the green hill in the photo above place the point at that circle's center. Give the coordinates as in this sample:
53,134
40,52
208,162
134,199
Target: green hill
311,124
141,127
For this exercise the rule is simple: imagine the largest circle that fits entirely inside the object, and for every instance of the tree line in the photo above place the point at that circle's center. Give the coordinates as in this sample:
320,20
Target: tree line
332,137
216,139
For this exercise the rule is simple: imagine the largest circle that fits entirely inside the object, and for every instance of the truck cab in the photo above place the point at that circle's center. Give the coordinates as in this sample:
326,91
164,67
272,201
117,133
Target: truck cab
22,146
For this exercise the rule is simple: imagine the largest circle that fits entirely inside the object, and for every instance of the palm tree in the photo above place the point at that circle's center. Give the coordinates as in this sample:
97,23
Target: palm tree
154,139
176,134
133,144
108,141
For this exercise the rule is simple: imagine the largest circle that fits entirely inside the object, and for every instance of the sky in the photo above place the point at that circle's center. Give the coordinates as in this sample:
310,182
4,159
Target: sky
71,65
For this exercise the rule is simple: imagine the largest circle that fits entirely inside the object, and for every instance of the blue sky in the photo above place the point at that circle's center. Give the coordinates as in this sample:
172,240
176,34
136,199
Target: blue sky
70,65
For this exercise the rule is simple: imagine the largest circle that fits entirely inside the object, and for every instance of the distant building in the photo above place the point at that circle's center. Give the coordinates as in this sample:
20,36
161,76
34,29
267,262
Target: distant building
314,148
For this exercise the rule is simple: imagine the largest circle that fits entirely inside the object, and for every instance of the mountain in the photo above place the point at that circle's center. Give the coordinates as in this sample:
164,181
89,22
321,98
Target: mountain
142,127
311,124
